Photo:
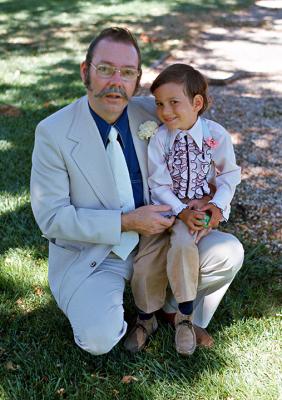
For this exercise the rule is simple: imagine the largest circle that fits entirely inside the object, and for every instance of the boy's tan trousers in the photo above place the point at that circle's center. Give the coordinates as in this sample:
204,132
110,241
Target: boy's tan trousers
152,273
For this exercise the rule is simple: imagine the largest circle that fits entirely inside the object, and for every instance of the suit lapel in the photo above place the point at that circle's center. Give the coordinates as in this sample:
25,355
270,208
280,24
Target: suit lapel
91,158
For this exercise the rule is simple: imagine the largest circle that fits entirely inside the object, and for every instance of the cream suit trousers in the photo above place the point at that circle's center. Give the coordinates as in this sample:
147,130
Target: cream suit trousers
96,310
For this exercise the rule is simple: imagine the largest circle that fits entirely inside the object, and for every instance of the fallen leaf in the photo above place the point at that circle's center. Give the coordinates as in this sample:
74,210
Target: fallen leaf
61,392
128,379
38,291
47,104
96,375
11,366
10,111
20,303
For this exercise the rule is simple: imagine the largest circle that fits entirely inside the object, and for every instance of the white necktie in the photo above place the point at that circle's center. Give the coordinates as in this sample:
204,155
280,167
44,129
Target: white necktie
121,176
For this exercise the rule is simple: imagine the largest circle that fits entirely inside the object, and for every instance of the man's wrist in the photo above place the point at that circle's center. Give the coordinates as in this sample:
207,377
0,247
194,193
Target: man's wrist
125,222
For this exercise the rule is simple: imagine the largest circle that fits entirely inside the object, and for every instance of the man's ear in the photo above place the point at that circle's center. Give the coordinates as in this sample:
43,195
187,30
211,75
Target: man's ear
83,71
198,102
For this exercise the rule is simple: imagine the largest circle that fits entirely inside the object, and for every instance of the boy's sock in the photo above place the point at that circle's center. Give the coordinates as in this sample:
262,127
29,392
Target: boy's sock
186,307
144,316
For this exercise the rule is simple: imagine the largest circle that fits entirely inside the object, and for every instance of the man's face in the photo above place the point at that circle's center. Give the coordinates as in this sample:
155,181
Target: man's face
109,96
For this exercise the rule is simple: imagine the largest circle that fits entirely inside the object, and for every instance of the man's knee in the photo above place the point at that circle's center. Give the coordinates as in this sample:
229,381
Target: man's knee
100,338
232,256
225,253
235,254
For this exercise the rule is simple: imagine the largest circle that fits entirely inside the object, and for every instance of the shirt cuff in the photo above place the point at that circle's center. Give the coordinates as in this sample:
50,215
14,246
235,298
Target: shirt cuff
176,211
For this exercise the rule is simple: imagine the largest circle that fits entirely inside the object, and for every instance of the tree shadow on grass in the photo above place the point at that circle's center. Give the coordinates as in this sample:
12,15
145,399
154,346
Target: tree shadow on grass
33,27
20,230
258,280
41,343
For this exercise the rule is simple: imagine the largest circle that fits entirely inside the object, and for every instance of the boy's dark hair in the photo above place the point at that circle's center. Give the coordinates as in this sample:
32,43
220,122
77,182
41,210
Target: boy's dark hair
194,82
115,34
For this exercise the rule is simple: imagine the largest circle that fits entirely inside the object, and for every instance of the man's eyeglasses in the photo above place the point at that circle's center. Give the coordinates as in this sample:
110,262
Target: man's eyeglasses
107,71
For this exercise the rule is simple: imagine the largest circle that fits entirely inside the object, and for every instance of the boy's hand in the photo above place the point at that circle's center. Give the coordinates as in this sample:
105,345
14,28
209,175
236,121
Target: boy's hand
192,218
216,215
197,204
201,234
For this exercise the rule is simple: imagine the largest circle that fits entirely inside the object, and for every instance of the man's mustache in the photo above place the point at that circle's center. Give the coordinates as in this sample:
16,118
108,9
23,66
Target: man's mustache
112,90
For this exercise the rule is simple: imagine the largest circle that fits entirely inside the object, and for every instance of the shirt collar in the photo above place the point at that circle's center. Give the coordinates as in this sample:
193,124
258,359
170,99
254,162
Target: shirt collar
196,132
121,125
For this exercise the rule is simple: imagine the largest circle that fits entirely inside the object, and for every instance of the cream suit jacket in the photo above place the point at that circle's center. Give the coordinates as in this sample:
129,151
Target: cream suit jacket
73,194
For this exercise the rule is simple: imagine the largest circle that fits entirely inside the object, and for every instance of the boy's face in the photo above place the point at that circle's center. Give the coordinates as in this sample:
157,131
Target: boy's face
174,108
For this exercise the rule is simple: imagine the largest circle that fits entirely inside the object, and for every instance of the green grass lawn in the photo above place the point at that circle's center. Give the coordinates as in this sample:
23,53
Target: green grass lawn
42,44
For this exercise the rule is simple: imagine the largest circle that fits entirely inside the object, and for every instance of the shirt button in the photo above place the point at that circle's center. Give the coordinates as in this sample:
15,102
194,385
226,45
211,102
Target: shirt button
93,264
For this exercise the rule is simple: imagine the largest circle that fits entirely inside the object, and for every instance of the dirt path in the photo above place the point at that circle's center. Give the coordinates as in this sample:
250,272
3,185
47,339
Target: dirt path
249,40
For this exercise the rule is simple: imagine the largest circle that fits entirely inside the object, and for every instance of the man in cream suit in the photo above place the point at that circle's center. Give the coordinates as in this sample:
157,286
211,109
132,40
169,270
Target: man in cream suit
76,201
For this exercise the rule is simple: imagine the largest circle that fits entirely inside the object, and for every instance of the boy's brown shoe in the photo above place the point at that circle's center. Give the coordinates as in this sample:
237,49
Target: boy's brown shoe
185,338
139,334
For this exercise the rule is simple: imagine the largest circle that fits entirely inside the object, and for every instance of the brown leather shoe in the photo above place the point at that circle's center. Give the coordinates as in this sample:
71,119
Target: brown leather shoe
185,338
140,333
166,317
204,339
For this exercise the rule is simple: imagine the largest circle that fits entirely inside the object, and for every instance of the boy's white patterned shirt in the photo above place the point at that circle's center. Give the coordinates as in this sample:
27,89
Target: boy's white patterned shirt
224,173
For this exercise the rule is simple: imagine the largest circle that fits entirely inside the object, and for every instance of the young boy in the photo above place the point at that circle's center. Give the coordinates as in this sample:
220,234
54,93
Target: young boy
183,156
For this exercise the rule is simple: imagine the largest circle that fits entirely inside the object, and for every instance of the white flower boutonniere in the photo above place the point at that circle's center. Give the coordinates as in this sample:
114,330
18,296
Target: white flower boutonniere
147,130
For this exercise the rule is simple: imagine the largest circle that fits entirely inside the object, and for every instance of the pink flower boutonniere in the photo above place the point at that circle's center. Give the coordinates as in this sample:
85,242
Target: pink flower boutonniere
211,142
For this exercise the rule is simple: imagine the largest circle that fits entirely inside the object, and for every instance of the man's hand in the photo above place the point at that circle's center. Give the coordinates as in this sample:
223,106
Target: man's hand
147,220
216,215
192,218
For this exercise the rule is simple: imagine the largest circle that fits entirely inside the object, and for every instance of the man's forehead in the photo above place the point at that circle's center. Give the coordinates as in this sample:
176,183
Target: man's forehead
113,51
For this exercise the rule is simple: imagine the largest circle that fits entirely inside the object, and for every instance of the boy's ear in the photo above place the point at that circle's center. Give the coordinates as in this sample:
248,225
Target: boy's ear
198,102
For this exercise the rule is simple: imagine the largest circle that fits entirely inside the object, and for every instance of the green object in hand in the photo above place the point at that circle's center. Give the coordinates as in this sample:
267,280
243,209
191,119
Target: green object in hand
206,220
